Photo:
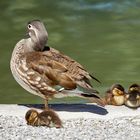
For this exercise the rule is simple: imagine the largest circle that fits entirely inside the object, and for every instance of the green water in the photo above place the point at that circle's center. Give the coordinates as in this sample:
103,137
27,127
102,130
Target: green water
103,35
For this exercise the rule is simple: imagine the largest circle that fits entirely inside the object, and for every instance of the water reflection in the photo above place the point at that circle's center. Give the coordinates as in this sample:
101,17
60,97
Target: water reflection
103,35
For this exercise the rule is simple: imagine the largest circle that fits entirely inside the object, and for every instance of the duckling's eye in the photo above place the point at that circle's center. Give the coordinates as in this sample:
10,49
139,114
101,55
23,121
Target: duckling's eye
29,26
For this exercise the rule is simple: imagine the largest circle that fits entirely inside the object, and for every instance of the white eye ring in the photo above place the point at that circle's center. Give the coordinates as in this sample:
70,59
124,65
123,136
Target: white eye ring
29,26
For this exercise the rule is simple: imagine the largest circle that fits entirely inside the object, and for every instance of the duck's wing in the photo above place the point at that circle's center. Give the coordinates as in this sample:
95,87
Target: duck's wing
51,72
75,70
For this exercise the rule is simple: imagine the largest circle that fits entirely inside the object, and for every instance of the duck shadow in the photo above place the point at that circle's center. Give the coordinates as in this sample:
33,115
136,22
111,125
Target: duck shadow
72,108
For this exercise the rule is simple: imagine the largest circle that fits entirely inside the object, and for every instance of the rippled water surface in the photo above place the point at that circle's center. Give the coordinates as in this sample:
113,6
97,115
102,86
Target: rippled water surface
103,35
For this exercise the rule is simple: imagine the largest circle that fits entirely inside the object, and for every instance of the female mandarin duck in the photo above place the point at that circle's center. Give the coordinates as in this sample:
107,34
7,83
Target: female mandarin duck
132,98
46,72
115,95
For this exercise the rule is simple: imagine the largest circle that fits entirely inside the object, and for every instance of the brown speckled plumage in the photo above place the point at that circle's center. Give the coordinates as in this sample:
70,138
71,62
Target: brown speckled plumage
40,69
45,118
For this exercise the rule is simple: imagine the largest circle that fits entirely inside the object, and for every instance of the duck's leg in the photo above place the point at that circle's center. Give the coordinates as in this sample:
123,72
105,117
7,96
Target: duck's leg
46,104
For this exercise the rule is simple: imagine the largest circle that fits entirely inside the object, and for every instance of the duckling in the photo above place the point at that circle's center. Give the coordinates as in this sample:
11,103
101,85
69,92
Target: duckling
115,95
45,118
132,98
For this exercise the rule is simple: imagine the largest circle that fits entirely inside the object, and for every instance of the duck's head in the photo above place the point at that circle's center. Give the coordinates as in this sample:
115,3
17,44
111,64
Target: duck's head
38,34
31,116
134,87
117,90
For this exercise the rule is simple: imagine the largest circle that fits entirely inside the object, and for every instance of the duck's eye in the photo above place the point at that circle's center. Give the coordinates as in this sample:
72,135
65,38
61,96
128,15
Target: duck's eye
29,26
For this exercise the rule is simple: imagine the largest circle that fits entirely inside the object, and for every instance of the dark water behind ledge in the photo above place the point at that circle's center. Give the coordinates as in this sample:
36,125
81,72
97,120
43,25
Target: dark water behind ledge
103,35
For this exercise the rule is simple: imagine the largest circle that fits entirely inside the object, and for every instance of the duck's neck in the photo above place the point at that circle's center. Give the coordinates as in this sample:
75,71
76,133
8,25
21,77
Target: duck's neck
37,40
32,45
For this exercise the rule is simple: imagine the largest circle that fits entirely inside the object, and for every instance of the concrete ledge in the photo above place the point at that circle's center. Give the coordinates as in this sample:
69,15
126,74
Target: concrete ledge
73,111
80,122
